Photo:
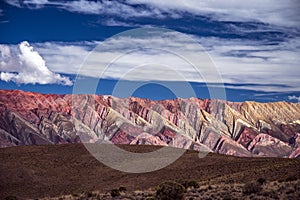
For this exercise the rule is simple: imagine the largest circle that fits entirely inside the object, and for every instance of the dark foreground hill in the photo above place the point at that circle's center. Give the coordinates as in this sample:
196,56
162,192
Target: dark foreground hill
69,169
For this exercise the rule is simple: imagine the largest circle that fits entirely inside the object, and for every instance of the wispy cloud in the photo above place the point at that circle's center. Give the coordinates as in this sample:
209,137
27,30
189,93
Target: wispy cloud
255,64
250,61
274,12
27,66
294,98
32,4
116,8
115,22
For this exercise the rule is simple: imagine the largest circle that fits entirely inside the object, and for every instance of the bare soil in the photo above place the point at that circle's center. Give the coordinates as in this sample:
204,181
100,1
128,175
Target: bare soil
29,172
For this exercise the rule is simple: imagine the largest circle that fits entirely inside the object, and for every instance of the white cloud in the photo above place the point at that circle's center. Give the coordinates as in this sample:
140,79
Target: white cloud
270,67
266,67
5,51
294,98
114,22
32,4
246,61
35,4
15,3
274,12
27,66
117,8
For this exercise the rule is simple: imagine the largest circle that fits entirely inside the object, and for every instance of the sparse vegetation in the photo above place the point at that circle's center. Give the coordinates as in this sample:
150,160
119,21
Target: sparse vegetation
170,191
89,194
122,189
252,188
189,184
115,192
227,196
291,178
150,198
11,198
261,181
269,190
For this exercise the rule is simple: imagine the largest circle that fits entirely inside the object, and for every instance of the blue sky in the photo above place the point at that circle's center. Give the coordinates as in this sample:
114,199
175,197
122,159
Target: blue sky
253,45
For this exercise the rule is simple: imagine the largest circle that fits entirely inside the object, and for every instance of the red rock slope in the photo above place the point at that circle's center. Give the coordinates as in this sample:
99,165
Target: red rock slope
241,129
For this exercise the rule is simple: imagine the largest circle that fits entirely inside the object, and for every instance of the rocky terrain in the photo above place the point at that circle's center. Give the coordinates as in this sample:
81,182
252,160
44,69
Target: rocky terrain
240,129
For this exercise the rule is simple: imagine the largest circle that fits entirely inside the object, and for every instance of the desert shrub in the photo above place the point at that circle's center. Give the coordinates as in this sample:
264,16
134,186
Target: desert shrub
122,189
75,195
292,141
266,193
115,192
213,196
150,198
170,191
290,191
252,188
189,183
89,194
227,197
291,178
11,198
281,180
229,181
261,181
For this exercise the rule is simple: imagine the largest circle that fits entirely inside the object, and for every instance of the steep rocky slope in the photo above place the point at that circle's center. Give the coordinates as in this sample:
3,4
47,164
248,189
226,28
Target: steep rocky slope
241,129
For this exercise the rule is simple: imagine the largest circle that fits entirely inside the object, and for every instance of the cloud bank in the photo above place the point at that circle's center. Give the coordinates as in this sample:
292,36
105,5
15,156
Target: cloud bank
255,45
247,64
27,66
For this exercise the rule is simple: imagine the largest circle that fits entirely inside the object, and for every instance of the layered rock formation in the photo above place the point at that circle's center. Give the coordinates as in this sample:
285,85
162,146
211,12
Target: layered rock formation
241,129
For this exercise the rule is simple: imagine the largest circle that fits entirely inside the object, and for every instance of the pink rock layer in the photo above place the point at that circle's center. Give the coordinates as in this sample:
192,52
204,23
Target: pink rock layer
235,128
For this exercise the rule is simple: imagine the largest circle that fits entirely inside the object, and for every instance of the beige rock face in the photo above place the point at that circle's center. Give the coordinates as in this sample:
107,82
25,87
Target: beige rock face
241,129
